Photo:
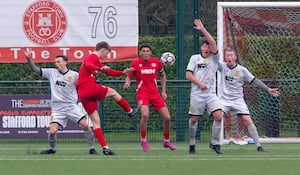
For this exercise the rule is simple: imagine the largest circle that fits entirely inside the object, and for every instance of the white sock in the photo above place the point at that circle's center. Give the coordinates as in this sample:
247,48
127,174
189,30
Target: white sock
193,130
253,133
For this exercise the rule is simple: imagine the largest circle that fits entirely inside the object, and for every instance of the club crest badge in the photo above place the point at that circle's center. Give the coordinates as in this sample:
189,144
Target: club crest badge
237,73
44,22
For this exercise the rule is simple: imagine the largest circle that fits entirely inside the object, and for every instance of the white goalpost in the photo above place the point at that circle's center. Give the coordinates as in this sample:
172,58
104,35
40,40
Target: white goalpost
266,37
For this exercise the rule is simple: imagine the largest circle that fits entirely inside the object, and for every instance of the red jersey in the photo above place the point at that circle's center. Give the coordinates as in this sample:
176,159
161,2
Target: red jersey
146,75
89,69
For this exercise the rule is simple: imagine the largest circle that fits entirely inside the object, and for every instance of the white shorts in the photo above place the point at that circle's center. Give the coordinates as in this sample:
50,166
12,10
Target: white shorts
238,106
62,113
198,103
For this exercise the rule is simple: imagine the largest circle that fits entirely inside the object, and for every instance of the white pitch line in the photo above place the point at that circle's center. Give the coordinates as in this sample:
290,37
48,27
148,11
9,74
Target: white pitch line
263,156
235,147
124,158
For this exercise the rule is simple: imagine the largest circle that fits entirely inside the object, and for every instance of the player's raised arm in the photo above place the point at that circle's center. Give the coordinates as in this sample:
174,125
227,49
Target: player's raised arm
30,62
113,72
212,43
273,91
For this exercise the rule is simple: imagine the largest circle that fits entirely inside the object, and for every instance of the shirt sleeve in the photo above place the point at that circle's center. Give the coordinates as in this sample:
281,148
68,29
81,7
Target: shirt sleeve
113,72
216,56
220,68
160,67
248,76
46,72
191,64
92,62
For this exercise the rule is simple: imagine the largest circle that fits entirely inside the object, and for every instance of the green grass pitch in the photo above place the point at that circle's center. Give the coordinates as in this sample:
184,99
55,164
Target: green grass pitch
73,159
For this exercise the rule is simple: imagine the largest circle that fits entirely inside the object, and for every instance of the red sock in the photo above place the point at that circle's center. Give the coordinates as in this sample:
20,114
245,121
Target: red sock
143,134
124,104
167,135
101,139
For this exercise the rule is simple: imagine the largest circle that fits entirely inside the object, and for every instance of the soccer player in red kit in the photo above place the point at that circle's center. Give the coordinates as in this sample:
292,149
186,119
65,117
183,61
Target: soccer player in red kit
90,92
146,70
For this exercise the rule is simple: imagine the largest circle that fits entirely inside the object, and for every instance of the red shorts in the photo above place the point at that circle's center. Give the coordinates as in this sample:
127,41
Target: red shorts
155,100
90,94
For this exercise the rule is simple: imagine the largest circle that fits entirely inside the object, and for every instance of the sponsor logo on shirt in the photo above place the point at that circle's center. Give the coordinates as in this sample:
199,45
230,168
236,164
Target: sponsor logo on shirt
147,71
202,65
228,78
60,83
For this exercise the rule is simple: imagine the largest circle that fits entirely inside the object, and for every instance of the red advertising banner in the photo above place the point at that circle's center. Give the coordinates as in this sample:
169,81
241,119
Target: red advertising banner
28,116
53,27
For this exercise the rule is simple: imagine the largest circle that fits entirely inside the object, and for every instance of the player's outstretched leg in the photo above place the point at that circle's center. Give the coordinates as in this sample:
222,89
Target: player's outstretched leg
127,108
134,111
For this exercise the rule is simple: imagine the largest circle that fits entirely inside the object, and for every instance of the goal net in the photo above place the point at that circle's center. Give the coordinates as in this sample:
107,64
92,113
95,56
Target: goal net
266,37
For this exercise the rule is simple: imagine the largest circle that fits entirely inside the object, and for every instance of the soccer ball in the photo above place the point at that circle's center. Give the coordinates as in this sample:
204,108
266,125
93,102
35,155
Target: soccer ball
168,58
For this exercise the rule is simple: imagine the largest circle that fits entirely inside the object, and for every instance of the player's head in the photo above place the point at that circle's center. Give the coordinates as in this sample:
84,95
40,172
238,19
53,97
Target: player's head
145,51
102,49
205,49
61,62
230,57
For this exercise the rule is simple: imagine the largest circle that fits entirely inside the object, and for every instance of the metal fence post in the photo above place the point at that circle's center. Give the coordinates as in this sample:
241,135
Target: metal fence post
298,102
180,113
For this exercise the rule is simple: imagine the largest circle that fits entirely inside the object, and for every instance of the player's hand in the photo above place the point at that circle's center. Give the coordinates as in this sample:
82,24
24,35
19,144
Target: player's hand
202,85
164,95
105,68
274,92
198,24
126,85
127,70
27,52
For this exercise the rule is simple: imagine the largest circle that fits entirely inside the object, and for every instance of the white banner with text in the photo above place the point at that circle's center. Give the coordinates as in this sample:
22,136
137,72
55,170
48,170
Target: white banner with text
72,28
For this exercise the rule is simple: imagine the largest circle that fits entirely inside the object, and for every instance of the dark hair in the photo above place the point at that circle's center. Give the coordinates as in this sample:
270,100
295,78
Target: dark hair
65,58
102,45
147,45
205,42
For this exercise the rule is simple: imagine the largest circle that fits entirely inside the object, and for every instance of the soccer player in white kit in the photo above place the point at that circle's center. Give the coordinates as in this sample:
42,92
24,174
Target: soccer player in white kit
201,71
64,101
233,77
